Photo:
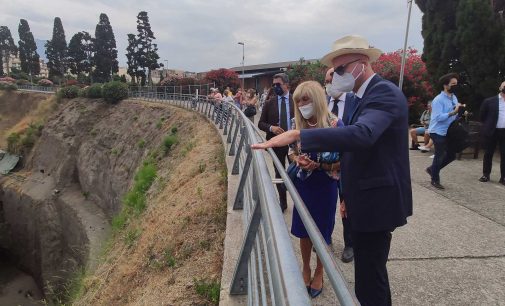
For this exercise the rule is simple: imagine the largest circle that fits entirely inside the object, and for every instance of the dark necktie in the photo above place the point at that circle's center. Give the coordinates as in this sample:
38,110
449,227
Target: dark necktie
283,116
335,107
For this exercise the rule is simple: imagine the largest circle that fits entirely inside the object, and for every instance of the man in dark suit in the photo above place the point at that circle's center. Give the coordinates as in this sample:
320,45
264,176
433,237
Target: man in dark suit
276,119
375,164
492,116
341,104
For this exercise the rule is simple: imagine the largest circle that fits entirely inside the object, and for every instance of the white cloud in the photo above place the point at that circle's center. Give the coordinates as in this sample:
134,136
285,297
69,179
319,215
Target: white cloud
198,35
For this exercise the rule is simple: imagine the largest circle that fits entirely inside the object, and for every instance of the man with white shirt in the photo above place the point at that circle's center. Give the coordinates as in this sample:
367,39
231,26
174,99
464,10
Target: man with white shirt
492,116
337,108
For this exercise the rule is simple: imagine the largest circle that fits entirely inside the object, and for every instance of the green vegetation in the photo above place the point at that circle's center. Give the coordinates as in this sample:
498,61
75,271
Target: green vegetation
131,236
8,86
115,91
141,144
208,289
68,92
169,257
21,143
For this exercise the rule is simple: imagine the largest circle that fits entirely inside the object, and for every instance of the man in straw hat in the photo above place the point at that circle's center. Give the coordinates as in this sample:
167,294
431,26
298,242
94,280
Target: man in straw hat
374,165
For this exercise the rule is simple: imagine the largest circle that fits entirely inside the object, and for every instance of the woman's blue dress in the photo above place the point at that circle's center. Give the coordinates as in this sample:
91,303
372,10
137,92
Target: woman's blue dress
319,192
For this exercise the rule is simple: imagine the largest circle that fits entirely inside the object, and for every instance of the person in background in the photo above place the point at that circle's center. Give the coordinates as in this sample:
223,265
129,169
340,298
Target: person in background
263,98
445,107
238,98
338,106
375,168
492,116
249,104
316,177
423,130
276,119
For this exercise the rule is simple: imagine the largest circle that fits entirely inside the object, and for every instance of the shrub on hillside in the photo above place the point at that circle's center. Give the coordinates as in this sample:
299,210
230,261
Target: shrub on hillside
71,82
95,91
68,92
22,82
83,92
114,91
45,82
7,86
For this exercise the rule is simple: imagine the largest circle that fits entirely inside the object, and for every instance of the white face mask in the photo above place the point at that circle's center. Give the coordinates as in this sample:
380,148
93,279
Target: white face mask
345,82
332,91
307,111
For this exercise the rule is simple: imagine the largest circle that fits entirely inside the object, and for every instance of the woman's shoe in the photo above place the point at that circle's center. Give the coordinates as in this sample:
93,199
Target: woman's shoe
315,292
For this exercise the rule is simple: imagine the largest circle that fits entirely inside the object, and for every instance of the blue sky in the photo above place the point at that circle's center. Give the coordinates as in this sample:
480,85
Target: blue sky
198,35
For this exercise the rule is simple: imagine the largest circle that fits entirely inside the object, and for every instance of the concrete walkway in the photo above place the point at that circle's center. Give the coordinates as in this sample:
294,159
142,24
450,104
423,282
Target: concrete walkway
452,251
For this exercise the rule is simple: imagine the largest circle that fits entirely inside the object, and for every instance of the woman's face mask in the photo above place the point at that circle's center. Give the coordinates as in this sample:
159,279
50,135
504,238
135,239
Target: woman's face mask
307,111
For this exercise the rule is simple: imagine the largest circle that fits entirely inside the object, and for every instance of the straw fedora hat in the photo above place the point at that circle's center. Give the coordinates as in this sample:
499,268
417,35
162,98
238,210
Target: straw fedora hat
351,44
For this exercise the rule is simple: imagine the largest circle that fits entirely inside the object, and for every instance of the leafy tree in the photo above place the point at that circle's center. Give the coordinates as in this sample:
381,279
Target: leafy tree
440,53
56,51
7,48
105,57
132,58
305,71
79,53
416,83
223,78
479,50
28,49
147,51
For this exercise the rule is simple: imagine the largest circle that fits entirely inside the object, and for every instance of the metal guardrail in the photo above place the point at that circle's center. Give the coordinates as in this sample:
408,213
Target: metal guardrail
267,269
48,89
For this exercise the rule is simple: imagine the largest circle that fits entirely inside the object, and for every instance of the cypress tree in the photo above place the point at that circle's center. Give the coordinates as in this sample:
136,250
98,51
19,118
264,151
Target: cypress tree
79,53
28,49
147,51
56,51
105,57
132,58
479,50
7,48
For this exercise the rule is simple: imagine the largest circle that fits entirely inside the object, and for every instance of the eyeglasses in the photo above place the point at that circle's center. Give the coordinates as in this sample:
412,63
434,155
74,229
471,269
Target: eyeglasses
340,70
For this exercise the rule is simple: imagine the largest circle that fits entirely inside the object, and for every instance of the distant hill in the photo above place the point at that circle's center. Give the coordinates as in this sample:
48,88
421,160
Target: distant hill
41,50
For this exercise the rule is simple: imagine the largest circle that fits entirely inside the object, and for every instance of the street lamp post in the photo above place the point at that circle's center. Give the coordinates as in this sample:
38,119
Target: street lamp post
243,59
402,69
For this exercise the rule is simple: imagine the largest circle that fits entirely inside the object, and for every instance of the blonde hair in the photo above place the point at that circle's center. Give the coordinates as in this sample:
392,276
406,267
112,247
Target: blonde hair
315,92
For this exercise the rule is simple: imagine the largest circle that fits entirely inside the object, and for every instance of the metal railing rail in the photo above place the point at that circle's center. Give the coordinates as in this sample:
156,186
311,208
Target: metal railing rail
48,89
267,247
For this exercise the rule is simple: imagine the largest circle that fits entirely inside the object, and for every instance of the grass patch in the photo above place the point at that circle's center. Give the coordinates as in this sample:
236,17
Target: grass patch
169,258
208,290
114,152
131,237
168,142
21,143
141,144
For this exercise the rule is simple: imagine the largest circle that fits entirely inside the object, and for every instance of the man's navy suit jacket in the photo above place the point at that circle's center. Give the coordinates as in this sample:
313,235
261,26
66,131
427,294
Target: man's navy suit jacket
375,164
489,111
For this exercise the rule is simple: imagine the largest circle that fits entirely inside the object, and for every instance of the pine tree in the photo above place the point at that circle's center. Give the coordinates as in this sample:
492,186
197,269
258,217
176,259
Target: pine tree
56,51
7,48
147,51
28,55
105,57
479,50
79,59
132,58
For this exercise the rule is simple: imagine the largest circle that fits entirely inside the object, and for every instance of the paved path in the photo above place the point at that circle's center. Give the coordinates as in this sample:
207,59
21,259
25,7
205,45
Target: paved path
452,251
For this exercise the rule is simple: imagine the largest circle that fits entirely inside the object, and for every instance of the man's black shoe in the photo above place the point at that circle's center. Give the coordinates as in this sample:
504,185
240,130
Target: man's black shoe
414,148
347,255
484,179
437,185
502,181
428,170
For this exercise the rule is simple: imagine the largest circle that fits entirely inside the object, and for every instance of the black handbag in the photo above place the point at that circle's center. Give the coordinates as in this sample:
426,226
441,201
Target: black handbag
458,137
250,111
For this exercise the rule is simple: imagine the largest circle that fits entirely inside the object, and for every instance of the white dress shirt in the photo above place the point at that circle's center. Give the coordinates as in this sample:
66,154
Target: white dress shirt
501,113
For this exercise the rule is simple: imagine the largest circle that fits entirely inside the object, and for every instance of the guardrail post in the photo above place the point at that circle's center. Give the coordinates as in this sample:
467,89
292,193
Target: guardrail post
221,120
228,112
234,141
228,139
238,204
235,169
239,281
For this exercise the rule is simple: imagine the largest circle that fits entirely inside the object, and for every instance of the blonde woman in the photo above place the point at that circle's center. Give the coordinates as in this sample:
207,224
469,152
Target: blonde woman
316,177
250,100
